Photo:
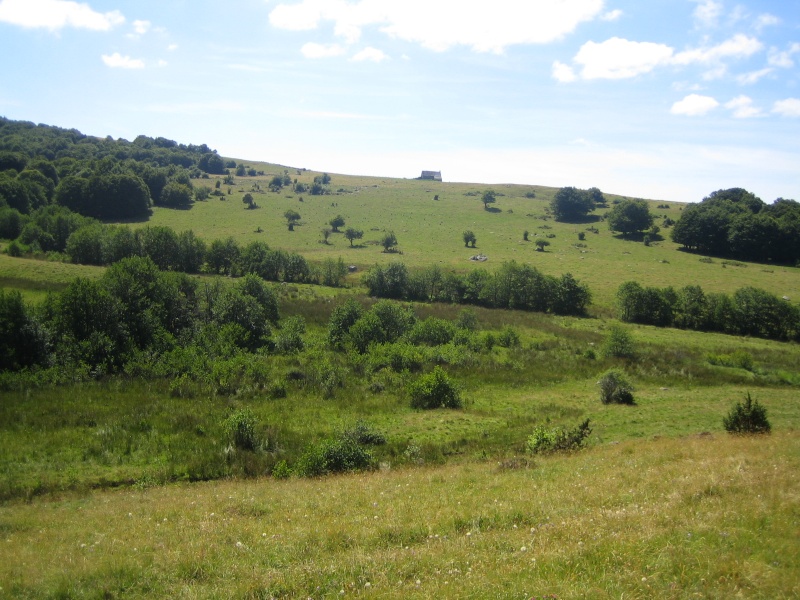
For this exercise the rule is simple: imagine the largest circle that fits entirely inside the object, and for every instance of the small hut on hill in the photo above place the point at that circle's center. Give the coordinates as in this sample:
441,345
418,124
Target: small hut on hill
432,175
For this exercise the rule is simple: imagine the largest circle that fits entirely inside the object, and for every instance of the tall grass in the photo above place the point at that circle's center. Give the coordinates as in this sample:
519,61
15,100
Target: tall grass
699,516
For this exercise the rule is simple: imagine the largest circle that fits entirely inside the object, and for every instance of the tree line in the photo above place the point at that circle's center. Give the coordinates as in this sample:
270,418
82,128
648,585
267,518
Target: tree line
736,223
513,286
748,311
104,178
133,310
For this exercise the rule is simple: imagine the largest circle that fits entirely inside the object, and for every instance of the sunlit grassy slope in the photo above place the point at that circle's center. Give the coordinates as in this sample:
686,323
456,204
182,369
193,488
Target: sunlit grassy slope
430,232
709,516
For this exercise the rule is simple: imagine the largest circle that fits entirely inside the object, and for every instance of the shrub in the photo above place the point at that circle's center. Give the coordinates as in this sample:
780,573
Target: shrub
558,439
240,426
435,390
508,337
740,359
281,470
747,417
363,433
615,388
618,343
432,331
337,455
290,338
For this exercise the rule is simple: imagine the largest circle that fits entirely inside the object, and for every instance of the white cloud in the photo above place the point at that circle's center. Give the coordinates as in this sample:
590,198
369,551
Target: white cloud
783,59
440,25
57,14
370,54
162,63
141,27
742,107
753,76
694,105
766,20
172,47
314,50
617,58
611,15
739,46
788,108
707,13
117,61
563,73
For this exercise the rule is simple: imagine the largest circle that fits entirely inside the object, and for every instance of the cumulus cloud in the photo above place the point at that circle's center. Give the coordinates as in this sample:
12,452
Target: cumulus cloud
141,27
788,108
742,107
753,76
563,73
707,13
611,15
766,20
370,54
739,46
620,59
314,50
483,26
57,14
694,105
783,59
117,61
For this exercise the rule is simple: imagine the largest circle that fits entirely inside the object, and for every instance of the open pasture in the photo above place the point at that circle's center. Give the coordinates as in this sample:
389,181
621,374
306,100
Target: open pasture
430,231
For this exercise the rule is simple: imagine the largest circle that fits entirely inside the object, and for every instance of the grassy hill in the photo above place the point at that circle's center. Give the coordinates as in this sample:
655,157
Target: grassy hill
663,504
430,232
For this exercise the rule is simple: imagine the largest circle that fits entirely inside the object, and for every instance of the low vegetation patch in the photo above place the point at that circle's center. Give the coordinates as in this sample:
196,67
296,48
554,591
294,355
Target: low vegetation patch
748,416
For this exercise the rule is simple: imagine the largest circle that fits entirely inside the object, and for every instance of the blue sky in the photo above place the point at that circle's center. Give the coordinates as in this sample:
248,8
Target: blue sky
665,99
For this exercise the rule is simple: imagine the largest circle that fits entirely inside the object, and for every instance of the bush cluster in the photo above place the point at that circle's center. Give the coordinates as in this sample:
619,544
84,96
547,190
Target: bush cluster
514,286
615,388
435,390
546,440
749,311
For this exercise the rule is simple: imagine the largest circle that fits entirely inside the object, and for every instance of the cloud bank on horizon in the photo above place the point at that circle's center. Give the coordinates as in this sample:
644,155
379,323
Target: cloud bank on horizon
558,92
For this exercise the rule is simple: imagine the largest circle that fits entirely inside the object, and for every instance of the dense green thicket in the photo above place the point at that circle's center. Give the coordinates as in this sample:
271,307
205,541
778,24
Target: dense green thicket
103,178
514,286
736,223
134,309
749,311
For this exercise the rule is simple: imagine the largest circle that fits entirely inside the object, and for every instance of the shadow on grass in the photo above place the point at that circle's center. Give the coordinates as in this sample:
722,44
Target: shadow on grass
581,220
493,209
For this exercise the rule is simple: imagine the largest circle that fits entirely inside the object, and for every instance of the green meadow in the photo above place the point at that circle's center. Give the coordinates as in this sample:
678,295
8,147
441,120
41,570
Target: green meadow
430,232
131,486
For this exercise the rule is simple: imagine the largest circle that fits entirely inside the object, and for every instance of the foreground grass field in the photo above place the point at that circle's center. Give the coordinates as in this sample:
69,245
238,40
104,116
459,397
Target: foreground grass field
711,516
104,487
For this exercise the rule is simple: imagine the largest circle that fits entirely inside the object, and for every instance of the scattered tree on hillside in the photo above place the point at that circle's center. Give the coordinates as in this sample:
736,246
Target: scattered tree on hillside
541,245
176,194
276,184
630,216
353,234
248,200
571,204
489,197
292,217
597,196
326,233
336,222
469,238
389,241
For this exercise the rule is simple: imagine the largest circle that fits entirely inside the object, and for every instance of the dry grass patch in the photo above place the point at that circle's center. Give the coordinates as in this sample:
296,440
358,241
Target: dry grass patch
702,516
